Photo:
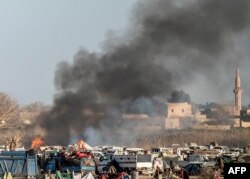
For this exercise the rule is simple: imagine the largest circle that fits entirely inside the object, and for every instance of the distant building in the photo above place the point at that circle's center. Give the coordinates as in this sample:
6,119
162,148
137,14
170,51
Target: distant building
237,98
184,115
245,117
237,93
179,115
178,110
213,116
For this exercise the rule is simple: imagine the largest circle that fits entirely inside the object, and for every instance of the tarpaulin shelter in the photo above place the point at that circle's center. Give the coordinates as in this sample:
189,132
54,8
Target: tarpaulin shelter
83,145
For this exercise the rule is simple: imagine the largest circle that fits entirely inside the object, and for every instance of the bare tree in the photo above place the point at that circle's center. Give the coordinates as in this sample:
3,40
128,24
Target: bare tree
10,124
8,109
35,107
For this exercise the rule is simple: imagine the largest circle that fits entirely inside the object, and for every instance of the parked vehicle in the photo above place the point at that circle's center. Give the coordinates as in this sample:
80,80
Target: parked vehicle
78,162
236,151
194,168
127,163
222,149
19,163
97,154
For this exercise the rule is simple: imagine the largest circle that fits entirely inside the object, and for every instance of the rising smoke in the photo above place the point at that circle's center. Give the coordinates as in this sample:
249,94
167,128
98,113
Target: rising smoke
179,97
172,44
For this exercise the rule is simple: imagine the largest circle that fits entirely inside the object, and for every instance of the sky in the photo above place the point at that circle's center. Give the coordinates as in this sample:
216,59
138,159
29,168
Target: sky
36,35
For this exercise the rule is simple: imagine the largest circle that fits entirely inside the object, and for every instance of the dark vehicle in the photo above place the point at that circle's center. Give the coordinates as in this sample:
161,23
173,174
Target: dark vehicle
220,161
194,169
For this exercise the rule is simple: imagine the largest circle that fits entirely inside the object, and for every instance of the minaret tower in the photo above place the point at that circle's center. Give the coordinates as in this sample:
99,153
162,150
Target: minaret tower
238,92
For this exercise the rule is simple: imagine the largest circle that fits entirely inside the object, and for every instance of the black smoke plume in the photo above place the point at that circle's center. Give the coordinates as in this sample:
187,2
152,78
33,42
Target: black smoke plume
179,97
170,44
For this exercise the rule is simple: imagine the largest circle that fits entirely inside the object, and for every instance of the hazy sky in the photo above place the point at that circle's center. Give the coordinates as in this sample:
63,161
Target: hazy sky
36,35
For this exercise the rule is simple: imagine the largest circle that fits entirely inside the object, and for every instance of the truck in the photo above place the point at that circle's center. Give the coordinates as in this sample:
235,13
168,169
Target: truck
80,163
143,163
19,163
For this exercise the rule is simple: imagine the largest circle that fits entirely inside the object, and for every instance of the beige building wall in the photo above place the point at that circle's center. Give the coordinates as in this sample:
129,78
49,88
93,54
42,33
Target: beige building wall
245,124
179,115
200,117
236,122
233,112
177,110
175,113
172,123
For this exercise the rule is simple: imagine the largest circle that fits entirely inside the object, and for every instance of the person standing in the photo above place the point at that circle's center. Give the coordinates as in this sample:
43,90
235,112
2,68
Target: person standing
184,174
172,166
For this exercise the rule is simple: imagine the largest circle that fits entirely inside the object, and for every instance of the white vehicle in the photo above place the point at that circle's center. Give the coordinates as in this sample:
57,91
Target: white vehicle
128,163
222,149
113,150
236,151
19,149
97,148
163,152
134,151
97,154
176,145
202,147
182,150
157,149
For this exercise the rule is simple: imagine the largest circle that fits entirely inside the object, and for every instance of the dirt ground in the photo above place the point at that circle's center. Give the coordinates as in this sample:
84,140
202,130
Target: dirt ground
191,177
